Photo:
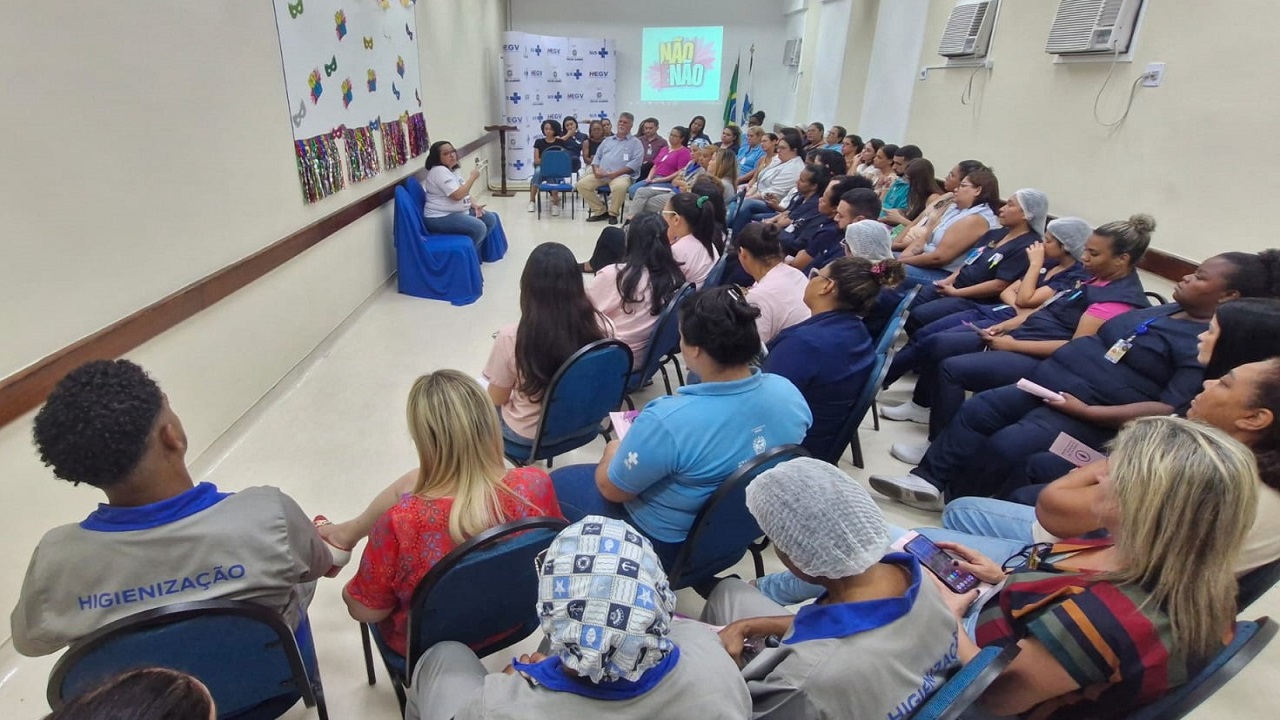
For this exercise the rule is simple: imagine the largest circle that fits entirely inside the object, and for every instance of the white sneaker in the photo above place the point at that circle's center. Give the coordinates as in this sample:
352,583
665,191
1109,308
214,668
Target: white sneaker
906,411
533,207
555,211
910,490
909,453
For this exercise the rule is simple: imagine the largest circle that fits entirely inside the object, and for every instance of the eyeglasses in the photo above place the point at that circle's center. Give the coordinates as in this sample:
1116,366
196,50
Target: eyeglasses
817,273
669,212
1029,557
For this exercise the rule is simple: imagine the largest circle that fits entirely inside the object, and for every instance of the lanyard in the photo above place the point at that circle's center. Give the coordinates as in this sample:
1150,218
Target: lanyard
1141,329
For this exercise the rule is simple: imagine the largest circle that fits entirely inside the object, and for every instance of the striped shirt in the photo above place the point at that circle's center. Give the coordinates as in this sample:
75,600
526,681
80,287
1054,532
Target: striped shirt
1106,636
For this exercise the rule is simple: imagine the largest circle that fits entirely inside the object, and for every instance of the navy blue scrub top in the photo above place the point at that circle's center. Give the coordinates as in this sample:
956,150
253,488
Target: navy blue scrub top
988,262
1160,366
1059,319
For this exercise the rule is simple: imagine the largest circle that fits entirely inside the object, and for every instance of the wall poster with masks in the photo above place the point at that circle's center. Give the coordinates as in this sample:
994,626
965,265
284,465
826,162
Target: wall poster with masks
351,80
548,78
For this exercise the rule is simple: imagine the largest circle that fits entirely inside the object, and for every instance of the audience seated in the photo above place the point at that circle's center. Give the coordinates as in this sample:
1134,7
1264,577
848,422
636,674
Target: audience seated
616,163
812,181
1140,363
632,294
920,230
972,214
998,259
680,448
922,191
828,357
851,149
550,139
779,289
613,646
556,320
731,138
652,142
595,138
769,192
668,164
896,195
751,151
697,133
573,140
835,138
756,119
449,209
812,138
864,236
1105,626
883,162
143,694
877,642
867,160
816,241
459,488
696,240
768,143
832,160
160,538
951,358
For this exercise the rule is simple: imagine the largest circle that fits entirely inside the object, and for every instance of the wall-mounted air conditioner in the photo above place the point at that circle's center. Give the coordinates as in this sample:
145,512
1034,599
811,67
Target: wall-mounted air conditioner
1082,27
791,54
968,32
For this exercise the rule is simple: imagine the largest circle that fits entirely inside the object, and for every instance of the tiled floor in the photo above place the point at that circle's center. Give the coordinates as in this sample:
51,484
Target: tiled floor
332,434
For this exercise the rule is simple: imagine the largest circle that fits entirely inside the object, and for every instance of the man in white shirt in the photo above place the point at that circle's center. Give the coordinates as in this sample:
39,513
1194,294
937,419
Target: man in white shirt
617,164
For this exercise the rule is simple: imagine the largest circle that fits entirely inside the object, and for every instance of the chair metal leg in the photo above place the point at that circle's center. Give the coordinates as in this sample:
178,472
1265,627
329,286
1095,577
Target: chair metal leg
322,708
875,415
368,654
400,696
757,555
856,447
549,461
666,379
679,373
631,405
539,206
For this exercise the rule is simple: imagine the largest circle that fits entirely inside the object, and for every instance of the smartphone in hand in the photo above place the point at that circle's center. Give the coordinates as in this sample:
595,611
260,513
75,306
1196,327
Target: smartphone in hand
942,564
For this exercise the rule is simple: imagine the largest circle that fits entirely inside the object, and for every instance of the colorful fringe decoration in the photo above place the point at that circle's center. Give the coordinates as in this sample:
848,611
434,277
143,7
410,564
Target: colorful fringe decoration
319,167
362,153
418,138
394,150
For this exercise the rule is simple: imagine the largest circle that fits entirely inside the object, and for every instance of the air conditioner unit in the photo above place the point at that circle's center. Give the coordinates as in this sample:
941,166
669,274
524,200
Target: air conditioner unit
1082,27
968,32
791,54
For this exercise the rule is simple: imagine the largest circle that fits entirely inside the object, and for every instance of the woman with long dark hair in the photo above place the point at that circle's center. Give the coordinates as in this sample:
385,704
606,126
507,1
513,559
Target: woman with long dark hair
633,293
556,320
449,209
922,191
692,231
973,214
697,132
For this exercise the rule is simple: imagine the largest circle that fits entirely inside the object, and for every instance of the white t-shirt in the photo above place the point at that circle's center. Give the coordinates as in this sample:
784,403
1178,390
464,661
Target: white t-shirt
441,182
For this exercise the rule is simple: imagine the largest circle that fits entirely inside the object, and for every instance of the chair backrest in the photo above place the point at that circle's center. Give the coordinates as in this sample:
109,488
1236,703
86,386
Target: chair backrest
244,653
1155,298
1255,583
408,215
737,201
484,593
1249,640
858,411
963,688
582,393
556,164
715,276
416,192
665,338
891,329
724,528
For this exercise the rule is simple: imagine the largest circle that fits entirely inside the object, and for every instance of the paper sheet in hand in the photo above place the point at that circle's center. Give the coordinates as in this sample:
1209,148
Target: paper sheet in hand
1074,451
622,421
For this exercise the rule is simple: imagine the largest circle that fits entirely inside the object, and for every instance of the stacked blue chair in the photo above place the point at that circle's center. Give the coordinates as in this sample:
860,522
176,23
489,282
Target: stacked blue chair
244,653
556,169
438,267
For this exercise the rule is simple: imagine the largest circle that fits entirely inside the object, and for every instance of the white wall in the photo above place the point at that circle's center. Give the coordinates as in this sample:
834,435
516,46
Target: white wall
899,34
828,66
744,23
177,162
1033,121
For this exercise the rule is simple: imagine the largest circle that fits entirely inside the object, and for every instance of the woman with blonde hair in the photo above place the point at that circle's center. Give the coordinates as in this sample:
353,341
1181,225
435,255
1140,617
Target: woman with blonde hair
1112,624
459,488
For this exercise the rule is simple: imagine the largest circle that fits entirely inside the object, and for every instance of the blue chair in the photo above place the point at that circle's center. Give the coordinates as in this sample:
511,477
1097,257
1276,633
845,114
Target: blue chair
736,203
495,243
556,169
1155,298
715,276
483,594
887,338
1249,640
847,437
587,387
964,687
1255,583
724,530
664,343
438,267
244,653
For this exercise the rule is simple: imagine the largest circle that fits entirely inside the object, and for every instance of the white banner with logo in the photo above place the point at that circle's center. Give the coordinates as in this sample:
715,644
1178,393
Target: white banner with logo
548,78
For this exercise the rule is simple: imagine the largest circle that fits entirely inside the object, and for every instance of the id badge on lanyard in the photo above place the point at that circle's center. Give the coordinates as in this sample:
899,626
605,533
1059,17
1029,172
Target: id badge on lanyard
973,256
1123,345
1075,293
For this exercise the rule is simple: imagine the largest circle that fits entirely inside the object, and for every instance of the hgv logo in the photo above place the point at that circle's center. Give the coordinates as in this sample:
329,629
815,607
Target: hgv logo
554,51
575,96
535,73
511,48
598,74
515,119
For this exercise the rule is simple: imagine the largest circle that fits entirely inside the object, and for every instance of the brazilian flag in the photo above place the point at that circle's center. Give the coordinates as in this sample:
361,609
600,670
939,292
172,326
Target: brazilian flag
731,102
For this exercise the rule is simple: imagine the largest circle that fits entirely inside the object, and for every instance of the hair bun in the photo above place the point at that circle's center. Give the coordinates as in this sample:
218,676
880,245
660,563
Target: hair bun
1143,223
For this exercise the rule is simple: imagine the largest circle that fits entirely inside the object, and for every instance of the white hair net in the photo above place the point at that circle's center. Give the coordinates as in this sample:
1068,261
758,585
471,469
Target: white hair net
1035,206
1071,232
819,517
869,239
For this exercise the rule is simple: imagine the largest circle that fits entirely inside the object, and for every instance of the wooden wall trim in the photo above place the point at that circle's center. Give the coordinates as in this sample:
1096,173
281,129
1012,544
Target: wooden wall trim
1169,267
27,388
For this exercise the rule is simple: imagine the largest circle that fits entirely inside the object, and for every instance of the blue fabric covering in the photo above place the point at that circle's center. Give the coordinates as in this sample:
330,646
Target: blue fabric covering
495,243
550,674
439,267
838,620
947,695
109,518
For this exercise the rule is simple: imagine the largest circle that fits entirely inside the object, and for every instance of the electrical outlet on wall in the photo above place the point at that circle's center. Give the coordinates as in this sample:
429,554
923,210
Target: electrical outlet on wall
1154,75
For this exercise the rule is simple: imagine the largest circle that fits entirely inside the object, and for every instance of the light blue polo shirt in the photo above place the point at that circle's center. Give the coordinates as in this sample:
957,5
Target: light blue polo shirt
896,197
681,447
